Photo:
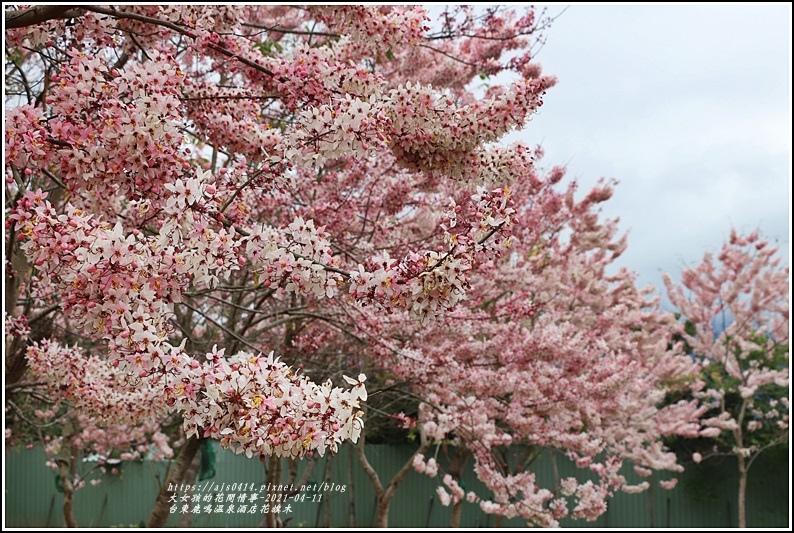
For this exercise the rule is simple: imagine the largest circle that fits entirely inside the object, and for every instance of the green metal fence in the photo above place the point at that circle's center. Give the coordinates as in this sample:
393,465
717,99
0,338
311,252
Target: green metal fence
705,496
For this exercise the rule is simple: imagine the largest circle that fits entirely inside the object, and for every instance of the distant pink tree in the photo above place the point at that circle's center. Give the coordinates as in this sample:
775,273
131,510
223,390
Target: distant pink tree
551,352
736,311
77,406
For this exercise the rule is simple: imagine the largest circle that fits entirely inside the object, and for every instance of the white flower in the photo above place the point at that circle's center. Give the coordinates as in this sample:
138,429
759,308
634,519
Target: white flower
443,496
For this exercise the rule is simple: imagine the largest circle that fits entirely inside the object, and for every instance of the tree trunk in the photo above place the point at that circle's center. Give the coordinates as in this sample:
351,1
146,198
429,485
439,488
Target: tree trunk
457,509
272,478
456,466
160,512
296,482
555,472
265,464
742,490
15,361
68,502
67,470
328,494
186,519
351,519
384,496
382,512
651,510
292,479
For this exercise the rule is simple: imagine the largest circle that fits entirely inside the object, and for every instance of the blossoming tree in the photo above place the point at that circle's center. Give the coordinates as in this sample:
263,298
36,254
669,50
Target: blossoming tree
737,327
550,352
68,408
315,191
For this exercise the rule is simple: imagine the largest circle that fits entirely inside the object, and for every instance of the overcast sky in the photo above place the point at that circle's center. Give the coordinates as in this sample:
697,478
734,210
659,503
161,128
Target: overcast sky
689,107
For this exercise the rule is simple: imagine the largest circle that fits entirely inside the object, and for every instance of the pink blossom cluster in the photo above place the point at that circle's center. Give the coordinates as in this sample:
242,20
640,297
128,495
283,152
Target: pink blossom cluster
319,75
206,249
455,494
404,421
221,18
294,259
425,128
94,387
231,118
258,406
428,467
121,287
115,286
515,495
111,132
15,327
376,30
253,404
469,44
133,443
353,126
108,412
425,284
297,259
92,32
198,21
432,133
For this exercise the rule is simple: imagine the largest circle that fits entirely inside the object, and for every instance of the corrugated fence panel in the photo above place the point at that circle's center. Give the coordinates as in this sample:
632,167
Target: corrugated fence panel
704,497
32,500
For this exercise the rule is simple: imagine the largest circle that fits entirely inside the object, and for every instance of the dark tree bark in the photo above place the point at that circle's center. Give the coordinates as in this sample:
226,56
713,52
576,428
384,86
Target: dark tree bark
37,14
160,513
384,494
186,519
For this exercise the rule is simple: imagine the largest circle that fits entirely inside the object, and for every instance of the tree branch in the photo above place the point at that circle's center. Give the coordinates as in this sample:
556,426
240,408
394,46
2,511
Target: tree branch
365,464
179,29
22,18
224,328
278,29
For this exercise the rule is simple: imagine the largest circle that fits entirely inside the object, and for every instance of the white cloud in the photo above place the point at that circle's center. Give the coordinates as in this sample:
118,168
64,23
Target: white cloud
689,107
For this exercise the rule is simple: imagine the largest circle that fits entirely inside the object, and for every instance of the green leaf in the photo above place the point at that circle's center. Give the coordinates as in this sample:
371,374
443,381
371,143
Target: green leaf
269,48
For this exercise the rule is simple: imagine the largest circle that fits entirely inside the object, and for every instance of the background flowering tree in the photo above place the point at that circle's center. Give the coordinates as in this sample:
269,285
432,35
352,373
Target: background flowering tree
67,405
318,191
736,308
550,352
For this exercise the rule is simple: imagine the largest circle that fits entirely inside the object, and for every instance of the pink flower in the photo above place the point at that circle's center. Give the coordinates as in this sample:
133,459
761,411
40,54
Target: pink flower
668,484
697,457
431,469
443,496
